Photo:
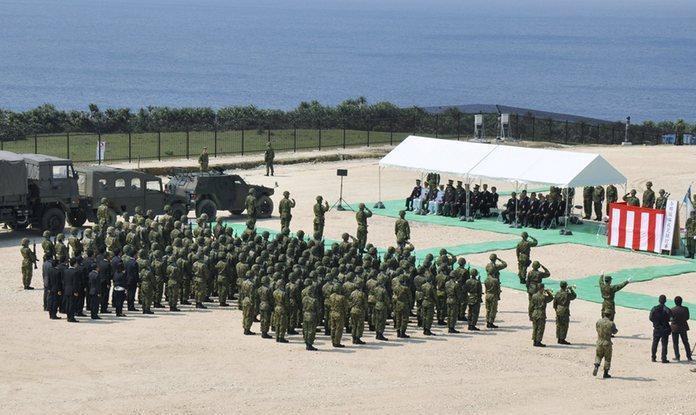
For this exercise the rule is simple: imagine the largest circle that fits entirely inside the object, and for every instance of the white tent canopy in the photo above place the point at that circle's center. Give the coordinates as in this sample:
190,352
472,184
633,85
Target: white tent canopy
500,162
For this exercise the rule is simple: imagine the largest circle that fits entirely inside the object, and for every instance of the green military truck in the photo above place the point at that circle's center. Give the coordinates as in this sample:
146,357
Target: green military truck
125,189
211,191
36,190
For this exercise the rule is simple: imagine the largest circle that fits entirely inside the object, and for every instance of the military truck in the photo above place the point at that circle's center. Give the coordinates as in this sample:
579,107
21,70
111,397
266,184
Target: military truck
211,191
125,189
36,190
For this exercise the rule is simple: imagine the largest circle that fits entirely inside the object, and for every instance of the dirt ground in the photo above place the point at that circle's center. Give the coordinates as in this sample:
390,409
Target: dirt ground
198,361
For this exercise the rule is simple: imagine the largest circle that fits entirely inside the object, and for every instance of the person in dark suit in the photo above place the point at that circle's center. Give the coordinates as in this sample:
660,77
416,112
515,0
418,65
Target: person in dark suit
94,288
81,287
485,201
523,206
659,316
510,209
60,301
415,194
680,325
45,271
104,270
70,286
132,280
55,289
534,206
119,277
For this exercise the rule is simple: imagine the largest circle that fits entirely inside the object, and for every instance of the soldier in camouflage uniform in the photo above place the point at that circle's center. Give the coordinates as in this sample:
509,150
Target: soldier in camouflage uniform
204,160
523,250
452,300
338,307
357,301
361,217
47,246
661,201
561,303
534,279
648,196
608,292
631,199
265,296
691,235
28,263
492,284
75,243
612,196
474,292
250,204
285,209
606,329
202,275
174,281
280,311
309,315
246,295
402,230
61,250
587,195
319,211
268,157
597,201
539,301
159,269
428,305
147,282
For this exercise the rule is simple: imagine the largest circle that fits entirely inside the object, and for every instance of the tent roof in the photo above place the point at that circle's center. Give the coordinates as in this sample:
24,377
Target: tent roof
492,161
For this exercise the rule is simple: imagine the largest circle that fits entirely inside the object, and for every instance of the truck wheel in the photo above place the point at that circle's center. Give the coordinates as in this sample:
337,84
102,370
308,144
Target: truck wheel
17,226
77,217
53,220
264,207
179,210
208,207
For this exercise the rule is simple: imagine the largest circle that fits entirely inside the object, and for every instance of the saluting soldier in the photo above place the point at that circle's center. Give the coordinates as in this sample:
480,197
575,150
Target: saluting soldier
661,201
361,217
285,209
561,303
319,211
631,199
523,250
492,284
608,292
539,301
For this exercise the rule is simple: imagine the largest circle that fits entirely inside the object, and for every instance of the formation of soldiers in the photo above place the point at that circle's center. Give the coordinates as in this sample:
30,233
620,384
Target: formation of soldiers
595,197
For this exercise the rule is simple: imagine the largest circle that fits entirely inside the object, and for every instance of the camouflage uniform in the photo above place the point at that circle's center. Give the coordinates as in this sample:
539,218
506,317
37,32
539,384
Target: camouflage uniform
492,284
357,302
524,248
608,292
561,303
28,262
474,291
402,230
309,318
285,209
319,211
338,307
361,217
539,301
203,160
605,330
280,312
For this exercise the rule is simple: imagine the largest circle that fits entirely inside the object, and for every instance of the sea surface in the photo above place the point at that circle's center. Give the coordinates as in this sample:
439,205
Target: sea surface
604,59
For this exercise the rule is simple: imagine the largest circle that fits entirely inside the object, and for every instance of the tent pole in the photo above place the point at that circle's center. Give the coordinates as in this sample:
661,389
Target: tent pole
379,204
517,189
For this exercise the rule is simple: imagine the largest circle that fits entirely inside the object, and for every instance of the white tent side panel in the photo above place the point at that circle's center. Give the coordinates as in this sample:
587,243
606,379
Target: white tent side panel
597,173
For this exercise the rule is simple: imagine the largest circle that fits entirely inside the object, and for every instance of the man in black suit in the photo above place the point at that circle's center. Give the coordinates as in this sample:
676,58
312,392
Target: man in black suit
60,299
45,271
70,286
119,277
680,325
659,316
94,288
81,287
105,275
485,207
132,280
510,209
523,205
415,194
55,289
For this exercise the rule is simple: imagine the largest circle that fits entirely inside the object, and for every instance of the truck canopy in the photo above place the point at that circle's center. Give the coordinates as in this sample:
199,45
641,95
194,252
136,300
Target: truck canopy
42,166
13,172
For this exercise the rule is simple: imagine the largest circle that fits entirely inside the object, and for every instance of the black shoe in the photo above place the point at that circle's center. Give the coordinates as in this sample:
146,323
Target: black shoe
474,328
493,326
55,318
282,341
455,331
665,361
186,302
120,315
174,309
72,320
539,344
266,336
28,288
441,323
606,375
201,306
248,333
653,359
292,331
81,315
381,337
358,341
96,318
595,370
339,345
224,305
158,305
105,312
371,328
327,332
148,312
310,348
427,332
405,336
563,342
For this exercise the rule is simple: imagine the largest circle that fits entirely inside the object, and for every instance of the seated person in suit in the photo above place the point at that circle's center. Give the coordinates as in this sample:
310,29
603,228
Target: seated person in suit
510,209
415,194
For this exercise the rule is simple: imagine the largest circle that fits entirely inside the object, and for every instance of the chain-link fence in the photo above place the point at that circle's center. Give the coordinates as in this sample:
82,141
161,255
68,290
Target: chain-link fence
132,146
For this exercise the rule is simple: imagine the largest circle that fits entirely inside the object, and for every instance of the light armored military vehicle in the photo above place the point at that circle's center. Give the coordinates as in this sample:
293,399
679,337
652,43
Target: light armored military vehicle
209,192
124,189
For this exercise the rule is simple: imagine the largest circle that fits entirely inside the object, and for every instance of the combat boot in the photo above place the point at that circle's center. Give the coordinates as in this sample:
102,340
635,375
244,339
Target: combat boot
172,308
455,331
185,302
200,305
427,332
595,370
282,341
404,335
158,305
310,347
248,332
327,331
398,334
371,327
606,374
292,331
148,312
380,336
338,345
224,305
265,335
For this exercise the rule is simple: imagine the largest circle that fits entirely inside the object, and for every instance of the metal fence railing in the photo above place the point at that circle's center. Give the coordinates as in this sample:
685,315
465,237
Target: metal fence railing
132,146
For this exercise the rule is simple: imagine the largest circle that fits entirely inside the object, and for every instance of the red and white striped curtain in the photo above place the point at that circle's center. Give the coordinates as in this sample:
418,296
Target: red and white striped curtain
635,227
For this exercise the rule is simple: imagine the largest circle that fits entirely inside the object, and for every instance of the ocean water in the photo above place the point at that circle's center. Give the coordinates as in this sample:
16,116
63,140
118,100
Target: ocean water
604,59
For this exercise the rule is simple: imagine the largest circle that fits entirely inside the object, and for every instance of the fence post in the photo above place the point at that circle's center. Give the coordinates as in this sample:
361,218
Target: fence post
67,145
582,133
36,144
612,134
319,138
99,153
187,145
2,144
566,131
643,134
391,136
215,141
294,138
344,138
368,138
459,126
242,141
159,145
533,128
437,125
130,143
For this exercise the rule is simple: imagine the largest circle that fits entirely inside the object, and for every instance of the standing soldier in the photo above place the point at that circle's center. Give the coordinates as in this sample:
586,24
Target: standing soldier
452,298
428,305
309,316
246,293
147,282
606,329
474,293
250,204
539,301
223,280
361,217
285,208
648,196
75,243
402,230
631,199
492,284
202,275
357,302
524,248
319,211
337,314
47,245
661,201
280,312
204,159
268,157
612,196
174,281
265,296
561,303
61,249
608,292
597,200
534,279
691,235
587,195
379,313
28,263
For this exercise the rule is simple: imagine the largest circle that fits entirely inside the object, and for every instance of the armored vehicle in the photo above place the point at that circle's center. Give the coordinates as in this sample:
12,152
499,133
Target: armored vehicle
125,189
211,191
36,190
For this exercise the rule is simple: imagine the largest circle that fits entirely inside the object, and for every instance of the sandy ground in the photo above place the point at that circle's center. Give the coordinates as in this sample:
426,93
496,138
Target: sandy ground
199,361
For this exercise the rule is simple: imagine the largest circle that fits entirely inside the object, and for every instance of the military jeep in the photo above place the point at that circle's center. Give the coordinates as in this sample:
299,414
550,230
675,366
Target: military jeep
211,191
124,189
